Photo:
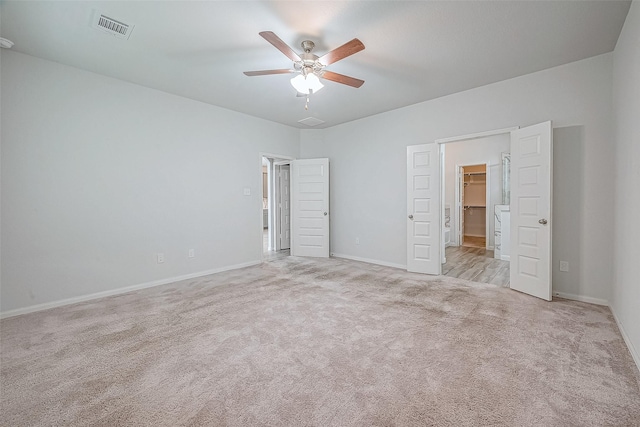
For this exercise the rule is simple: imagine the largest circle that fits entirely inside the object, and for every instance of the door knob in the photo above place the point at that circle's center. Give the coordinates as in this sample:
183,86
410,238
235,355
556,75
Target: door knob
325,214
410,216
542,221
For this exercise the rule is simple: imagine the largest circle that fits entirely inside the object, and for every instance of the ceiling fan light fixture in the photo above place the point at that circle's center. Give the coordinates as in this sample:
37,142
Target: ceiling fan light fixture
304,84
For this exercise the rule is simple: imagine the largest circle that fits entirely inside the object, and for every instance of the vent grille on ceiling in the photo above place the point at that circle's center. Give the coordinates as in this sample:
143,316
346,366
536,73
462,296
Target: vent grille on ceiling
311,121
111,26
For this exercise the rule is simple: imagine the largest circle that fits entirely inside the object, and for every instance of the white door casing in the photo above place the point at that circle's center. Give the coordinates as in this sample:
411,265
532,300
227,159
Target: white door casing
441,151
284,207
423,209
461,206
310,208
531,222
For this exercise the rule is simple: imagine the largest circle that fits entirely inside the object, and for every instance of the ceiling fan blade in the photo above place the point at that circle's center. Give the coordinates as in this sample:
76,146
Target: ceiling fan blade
341,78
347,49
267,72
280,45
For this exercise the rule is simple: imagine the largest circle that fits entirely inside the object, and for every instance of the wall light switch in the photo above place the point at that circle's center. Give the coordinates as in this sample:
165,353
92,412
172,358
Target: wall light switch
564,265
192,253
247,191
357,240
160,258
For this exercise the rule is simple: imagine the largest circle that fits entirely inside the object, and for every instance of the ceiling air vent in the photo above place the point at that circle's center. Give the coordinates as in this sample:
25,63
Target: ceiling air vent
111,26
311,121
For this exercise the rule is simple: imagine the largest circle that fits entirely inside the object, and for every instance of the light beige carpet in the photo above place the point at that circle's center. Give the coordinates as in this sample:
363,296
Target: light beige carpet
301,342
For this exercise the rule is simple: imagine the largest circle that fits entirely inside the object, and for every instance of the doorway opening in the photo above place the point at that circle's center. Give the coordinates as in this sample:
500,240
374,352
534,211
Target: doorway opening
472,189
530,189
276,207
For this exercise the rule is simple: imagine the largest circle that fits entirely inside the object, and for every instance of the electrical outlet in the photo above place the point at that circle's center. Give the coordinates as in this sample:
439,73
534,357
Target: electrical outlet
246,191
564,265
160,258
192,253
357,240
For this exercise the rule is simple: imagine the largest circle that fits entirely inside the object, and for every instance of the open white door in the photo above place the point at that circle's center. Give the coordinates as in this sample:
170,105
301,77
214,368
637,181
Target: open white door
531,186
283,208
310,207
423,209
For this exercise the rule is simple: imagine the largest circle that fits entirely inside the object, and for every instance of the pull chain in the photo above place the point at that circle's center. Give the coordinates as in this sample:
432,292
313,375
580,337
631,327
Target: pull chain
306,105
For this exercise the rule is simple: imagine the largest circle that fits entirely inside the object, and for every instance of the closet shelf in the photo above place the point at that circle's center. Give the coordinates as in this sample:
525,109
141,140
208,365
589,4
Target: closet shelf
475,178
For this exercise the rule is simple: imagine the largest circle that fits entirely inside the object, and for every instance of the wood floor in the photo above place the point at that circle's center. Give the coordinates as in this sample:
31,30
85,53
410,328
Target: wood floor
475,241
271,255
475,264
464,262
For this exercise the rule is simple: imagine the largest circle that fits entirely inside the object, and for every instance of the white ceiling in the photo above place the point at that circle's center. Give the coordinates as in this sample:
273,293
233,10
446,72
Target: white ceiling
415,50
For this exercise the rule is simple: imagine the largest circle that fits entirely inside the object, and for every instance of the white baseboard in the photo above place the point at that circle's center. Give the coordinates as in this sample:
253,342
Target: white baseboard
581,298
82,298
505,257
627,340
370,261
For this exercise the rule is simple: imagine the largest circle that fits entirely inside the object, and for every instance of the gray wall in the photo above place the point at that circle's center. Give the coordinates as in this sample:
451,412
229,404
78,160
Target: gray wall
625,299
368,166
99,175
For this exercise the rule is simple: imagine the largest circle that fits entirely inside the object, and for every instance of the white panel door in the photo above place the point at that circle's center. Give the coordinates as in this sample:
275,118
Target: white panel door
284,206
310,207
531,166
423,209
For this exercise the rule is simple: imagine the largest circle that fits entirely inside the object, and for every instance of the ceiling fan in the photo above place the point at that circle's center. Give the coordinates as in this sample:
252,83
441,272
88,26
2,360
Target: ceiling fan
311,67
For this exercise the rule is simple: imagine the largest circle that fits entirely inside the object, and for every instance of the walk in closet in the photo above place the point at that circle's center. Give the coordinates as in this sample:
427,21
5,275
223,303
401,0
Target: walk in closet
474,205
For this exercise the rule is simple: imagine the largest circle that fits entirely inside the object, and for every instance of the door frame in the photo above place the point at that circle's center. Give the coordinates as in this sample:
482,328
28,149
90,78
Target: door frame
272,190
